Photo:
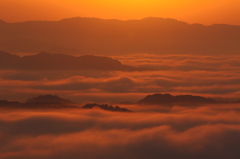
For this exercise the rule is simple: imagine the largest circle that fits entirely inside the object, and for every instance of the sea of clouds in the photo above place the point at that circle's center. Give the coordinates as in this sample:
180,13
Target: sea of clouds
209,131
209,76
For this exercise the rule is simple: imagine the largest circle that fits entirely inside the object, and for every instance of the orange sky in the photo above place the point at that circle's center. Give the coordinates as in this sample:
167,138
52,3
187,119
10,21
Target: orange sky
191,11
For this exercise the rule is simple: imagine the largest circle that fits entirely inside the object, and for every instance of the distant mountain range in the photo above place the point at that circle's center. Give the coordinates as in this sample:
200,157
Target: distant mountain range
170,100
165,100
47,61
48,99
97,36
40,102
55,102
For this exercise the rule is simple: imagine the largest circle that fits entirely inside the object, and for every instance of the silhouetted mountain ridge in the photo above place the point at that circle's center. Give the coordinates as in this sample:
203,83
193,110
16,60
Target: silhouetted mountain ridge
40,102
48,99
6,103
106,107
170,100
55,102
3,22
98,36
47,61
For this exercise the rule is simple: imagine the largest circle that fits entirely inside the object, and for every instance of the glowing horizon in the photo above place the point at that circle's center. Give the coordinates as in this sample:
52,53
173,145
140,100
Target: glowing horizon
204,12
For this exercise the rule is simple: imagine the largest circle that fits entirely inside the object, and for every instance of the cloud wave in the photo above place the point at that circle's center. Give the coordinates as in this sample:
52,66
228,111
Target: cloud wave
206,132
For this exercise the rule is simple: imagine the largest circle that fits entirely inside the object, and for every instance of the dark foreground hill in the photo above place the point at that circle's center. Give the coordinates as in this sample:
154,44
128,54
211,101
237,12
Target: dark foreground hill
170,100
47,61
98,36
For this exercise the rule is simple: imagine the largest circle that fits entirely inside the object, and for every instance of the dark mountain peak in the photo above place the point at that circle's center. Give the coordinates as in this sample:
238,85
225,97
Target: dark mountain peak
79,19
10,104
105,107
48,99
8,61
2,22
167,99
6,102
163,21
160,19
161,95
40,102
6,54
89,58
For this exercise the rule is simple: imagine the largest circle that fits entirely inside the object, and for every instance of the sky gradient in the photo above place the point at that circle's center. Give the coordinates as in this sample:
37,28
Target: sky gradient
119,63
205,12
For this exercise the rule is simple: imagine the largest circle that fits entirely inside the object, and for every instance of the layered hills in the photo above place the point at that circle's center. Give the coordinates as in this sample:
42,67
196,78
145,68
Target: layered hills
47,61
165,100
98,36
55,102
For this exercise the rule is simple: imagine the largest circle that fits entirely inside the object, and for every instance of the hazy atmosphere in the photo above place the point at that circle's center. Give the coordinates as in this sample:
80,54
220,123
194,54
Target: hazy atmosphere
204,12
119,79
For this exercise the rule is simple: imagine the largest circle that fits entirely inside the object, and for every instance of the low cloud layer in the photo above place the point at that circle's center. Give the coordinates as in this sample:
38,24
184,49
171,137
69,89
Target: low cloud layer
208,76
206,132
